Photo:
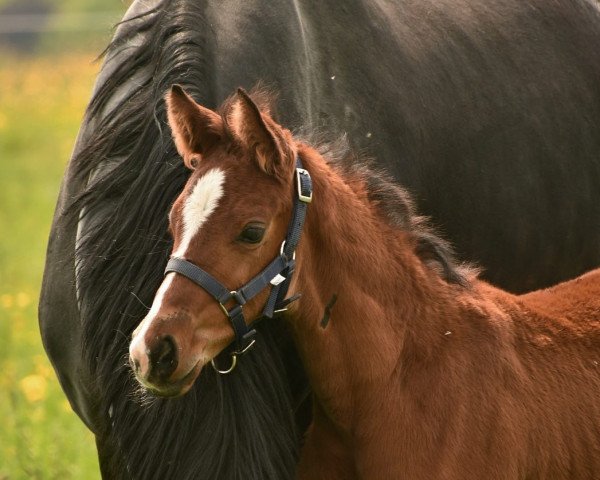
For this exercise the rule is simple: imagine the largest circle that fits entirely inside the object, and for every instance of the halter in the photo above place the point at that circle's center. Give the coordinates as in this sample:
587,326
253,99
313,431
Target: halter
277,274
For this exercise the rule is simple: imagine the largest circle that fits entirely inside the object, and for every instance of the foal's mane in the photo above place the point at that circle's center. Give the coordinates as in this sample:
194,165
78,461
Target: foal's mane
241,426
396,207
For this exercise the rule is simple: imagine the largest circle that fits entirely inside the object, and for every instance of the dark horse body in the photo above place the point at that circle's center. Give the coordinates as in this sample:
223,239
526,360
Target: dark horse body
500,100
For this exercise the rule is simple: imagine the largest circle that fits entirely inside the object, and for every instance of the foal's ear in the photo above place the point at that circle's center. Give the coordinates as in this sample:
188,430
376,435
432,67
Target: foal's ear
269,143
195,128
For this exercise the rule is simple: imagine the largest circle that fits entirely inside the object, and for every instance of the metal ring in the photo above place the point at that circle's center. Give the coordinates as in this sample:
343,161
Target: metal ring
246,348
231,367
283,247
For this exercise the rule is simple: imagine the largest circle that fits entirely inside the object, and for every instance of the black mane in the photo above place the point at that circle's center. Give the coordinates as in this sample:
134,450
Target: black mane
241,426
395,204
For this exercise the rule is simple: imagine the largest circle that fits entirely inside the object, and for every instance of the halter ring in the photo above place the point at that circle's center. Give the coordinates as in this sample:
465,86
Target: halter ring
283,247
234,296
246,348
234,356
231,367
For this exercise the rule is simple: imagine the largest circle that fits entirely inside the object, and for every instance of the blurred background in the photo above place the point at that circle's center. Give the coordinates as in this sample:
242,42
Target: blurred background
48,51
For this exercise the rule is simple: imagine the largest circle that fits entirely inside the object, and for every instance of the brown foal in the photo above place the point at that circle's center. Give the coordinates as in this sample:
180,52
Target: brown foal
419,370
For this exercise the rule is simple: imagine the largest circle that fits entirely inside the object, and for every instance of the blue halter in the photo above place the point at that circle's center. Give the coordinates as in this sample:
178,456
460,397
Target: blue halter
277,274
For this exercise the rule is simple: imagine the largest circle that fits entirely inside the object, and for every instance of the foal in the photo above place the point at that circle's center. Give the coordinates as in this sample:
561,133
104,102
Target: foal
419,370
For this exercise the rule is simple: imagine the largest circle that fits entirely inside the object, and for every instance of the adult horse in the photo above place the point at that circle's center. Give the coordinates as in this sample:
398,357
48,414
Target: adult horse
499,100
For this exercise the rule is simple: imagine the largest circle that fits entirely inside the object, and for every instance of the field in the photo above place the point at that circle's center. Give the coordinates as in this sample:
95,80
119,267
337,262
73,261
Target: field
41,105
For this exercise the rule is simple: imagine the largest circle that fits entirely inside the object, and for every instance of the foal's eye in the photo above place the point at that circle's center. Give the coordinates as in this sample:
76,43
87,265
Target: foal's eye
252,233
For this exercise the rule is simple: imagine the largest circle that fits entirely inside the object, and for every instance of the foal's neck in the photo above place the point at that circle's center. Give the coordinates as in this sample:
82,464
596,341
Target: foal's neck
363,289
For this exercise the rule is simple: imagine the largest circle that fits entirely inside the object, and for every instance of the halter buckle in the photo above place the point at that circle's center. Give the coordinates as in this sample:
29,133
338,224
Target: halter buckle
238,297
305,197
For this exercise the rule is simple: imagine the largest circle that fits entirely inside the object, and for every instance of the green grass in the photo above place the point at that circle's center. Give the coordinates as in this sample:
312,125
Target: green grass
41,105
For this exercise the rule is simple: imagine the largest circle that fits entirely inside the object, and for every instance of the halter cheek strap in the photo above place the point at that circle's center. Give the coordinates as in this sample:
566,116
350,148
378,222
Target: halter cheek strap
277,274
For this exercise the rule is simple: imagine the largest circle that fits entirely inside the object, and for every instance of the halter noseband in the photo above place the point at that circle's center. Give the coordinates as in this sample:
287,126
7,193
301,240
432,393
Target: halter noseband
278,274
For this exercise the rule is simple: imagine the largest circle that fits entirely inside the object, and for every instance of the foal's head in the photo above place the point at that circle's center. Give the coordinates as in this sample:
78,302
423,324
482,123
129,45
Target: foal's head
230,220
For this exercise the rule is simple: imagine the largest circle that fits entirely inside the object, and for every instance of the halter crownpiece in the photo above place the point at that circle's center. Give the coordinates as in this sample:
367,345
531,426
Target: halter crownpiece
277,274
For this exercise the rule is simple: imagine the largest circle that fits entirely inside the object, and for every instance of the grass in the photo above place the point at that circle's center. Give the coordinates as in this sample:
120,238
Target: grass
41,105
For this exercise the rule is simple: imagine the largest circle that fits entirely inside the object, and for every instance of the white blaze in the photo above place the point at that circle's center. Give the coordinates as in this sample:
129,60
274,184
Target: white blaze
199,205
139,341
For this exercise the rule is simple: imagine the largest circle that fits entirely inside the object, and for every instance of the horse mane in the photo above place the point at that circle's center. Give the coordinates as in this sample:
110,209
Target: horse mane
395,205
241,426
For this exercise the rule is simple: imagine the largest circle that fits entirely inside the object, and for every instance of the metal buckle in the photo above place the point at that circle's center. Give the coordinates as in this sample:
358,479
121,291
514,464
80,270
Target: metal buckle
301,196
225,311
238,298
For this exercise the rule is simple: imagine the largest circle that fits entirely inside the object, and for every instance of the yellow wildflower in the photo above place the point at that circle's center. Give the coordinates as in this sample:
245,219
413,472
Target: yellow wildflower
34,387
6,301
23,299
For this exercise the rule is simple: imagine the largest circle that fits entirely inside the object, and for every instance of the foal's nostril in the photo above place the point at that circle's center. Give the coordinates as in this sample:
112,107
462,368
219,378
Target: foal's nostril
163,358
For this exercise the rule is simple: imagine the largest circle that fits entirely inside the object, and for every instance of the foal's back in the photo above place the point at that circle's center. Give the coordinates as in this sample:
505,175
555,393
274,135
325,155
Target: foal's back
558,342
575,303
